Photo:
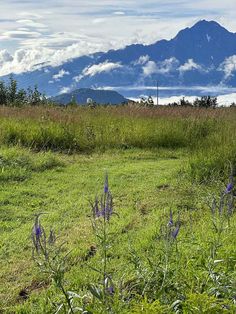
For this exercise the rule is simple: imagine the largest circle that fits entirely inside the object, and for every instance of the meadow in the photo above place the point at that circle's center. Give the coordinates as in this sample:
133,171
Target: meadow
163,243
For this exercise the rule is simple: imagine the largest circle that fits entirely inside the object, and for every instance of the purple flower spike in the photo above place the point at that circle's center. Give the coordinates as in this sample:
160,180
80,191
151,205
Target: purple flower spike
104,206
38,234
111,290
170,223
175,232
106,188
229,188
38,231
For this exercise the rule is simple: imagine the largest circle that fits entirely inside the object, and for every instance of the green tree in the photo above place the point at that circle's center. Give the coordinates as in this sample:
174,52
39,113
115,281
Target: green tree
12,91
185,103
22,98
34,96
205,102
3,94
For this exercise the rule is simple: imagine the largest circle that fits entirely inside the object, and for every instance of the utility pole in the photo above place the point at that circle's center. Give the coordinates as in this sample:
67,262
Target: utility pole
157,93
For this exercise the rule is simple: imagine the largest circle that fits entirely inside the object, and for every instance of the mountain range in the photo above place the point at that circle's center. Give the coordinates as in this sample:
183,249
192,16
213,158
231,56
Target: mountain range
203,55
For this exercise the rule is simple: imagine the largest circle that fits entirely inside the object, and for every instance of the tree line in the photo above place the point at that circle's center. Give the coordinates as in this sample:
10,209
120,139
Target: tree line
11,95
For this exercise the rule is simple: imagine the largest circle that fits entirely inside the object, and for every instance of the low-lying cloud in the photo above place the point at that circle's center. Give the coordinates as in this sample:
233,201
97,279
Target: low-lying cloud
189,66
60,74
98,68
163,67
228,66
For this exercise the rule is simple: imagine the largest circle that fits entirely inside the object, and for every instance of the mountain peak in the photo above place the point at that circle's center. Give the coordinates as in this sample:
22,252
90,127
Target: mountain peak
208,25
201,29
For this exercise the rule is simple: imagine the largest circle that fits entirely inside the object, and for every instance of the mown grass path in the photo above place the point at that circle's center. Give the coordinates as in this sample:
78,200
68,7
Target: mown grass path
142,183
145,186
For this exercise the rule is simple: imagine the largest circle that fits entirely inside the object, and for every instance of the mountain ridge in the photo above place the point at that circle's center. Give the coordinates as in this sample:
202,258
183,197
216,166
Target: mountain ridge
204,54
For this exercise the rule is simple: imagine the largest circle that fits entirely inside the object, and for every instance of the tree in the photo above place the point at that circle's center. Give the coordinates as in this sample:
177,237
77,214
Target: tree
205,102
10,95
22,98
34,96
184,103
12,91
3,94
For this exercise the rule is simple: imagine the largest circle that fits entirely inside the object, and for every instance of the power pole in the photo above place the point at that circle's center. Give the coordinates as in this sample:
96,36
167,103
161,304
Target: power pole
157,93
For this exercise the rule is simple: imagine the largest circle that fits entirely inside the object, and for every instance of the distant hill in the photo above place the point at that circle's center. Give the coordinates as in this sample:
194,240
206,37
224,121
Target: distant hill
201,55
99,96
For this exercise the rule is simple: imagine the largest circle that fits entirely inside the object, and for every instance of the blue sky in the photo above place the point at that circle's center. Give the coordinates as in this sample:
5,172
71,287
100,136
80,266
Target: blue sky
56,30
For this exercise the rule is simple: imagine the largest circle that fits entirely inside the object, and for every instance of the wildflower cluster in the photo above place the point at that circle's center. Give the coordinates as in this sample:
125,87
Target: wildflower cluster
173,227
154,275
104,208
50,260
226,203
40,240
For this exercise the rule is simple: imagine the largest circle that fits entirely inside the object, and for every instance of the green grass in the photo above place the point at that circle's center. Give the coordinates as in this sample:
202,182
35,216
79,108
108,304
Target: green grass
145,185
53,161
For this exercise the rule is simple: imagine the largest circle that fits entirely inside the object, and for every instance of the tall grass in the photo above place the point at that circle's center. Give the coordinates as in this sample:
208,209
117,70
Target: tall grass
207,134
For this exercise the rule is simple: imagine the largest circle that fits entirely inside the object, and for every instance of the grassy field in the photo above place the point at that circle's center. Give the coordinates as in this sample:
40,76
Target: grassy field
177,160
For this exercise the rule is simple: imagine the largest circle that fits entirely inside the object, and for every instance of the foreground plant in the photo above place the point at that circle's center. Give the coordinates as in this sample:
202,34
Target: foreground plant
51,261
102,211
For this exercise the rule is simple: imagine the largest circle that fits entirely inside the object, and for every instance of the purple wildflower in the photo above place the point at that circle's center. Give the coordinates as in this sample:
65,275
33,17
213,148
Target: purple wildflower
38,231
229,188
109,286
38,235
111,290
176,231
104,208
108,206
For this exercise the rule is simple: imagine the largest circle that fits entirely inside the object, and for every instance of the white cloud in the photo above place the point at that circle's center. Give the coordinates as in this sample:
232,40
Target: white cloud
189,66
228,66
126,21
99,21
150,68
142,60
65,90
163,67
168,65
101,67
29,15
60,74
30,59
31,23
20,34
119,13
5,56
23,60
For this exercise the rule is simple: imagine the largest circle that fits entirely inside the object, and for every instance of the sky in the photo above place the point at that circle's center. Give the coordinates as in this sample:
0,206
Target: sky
53,31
